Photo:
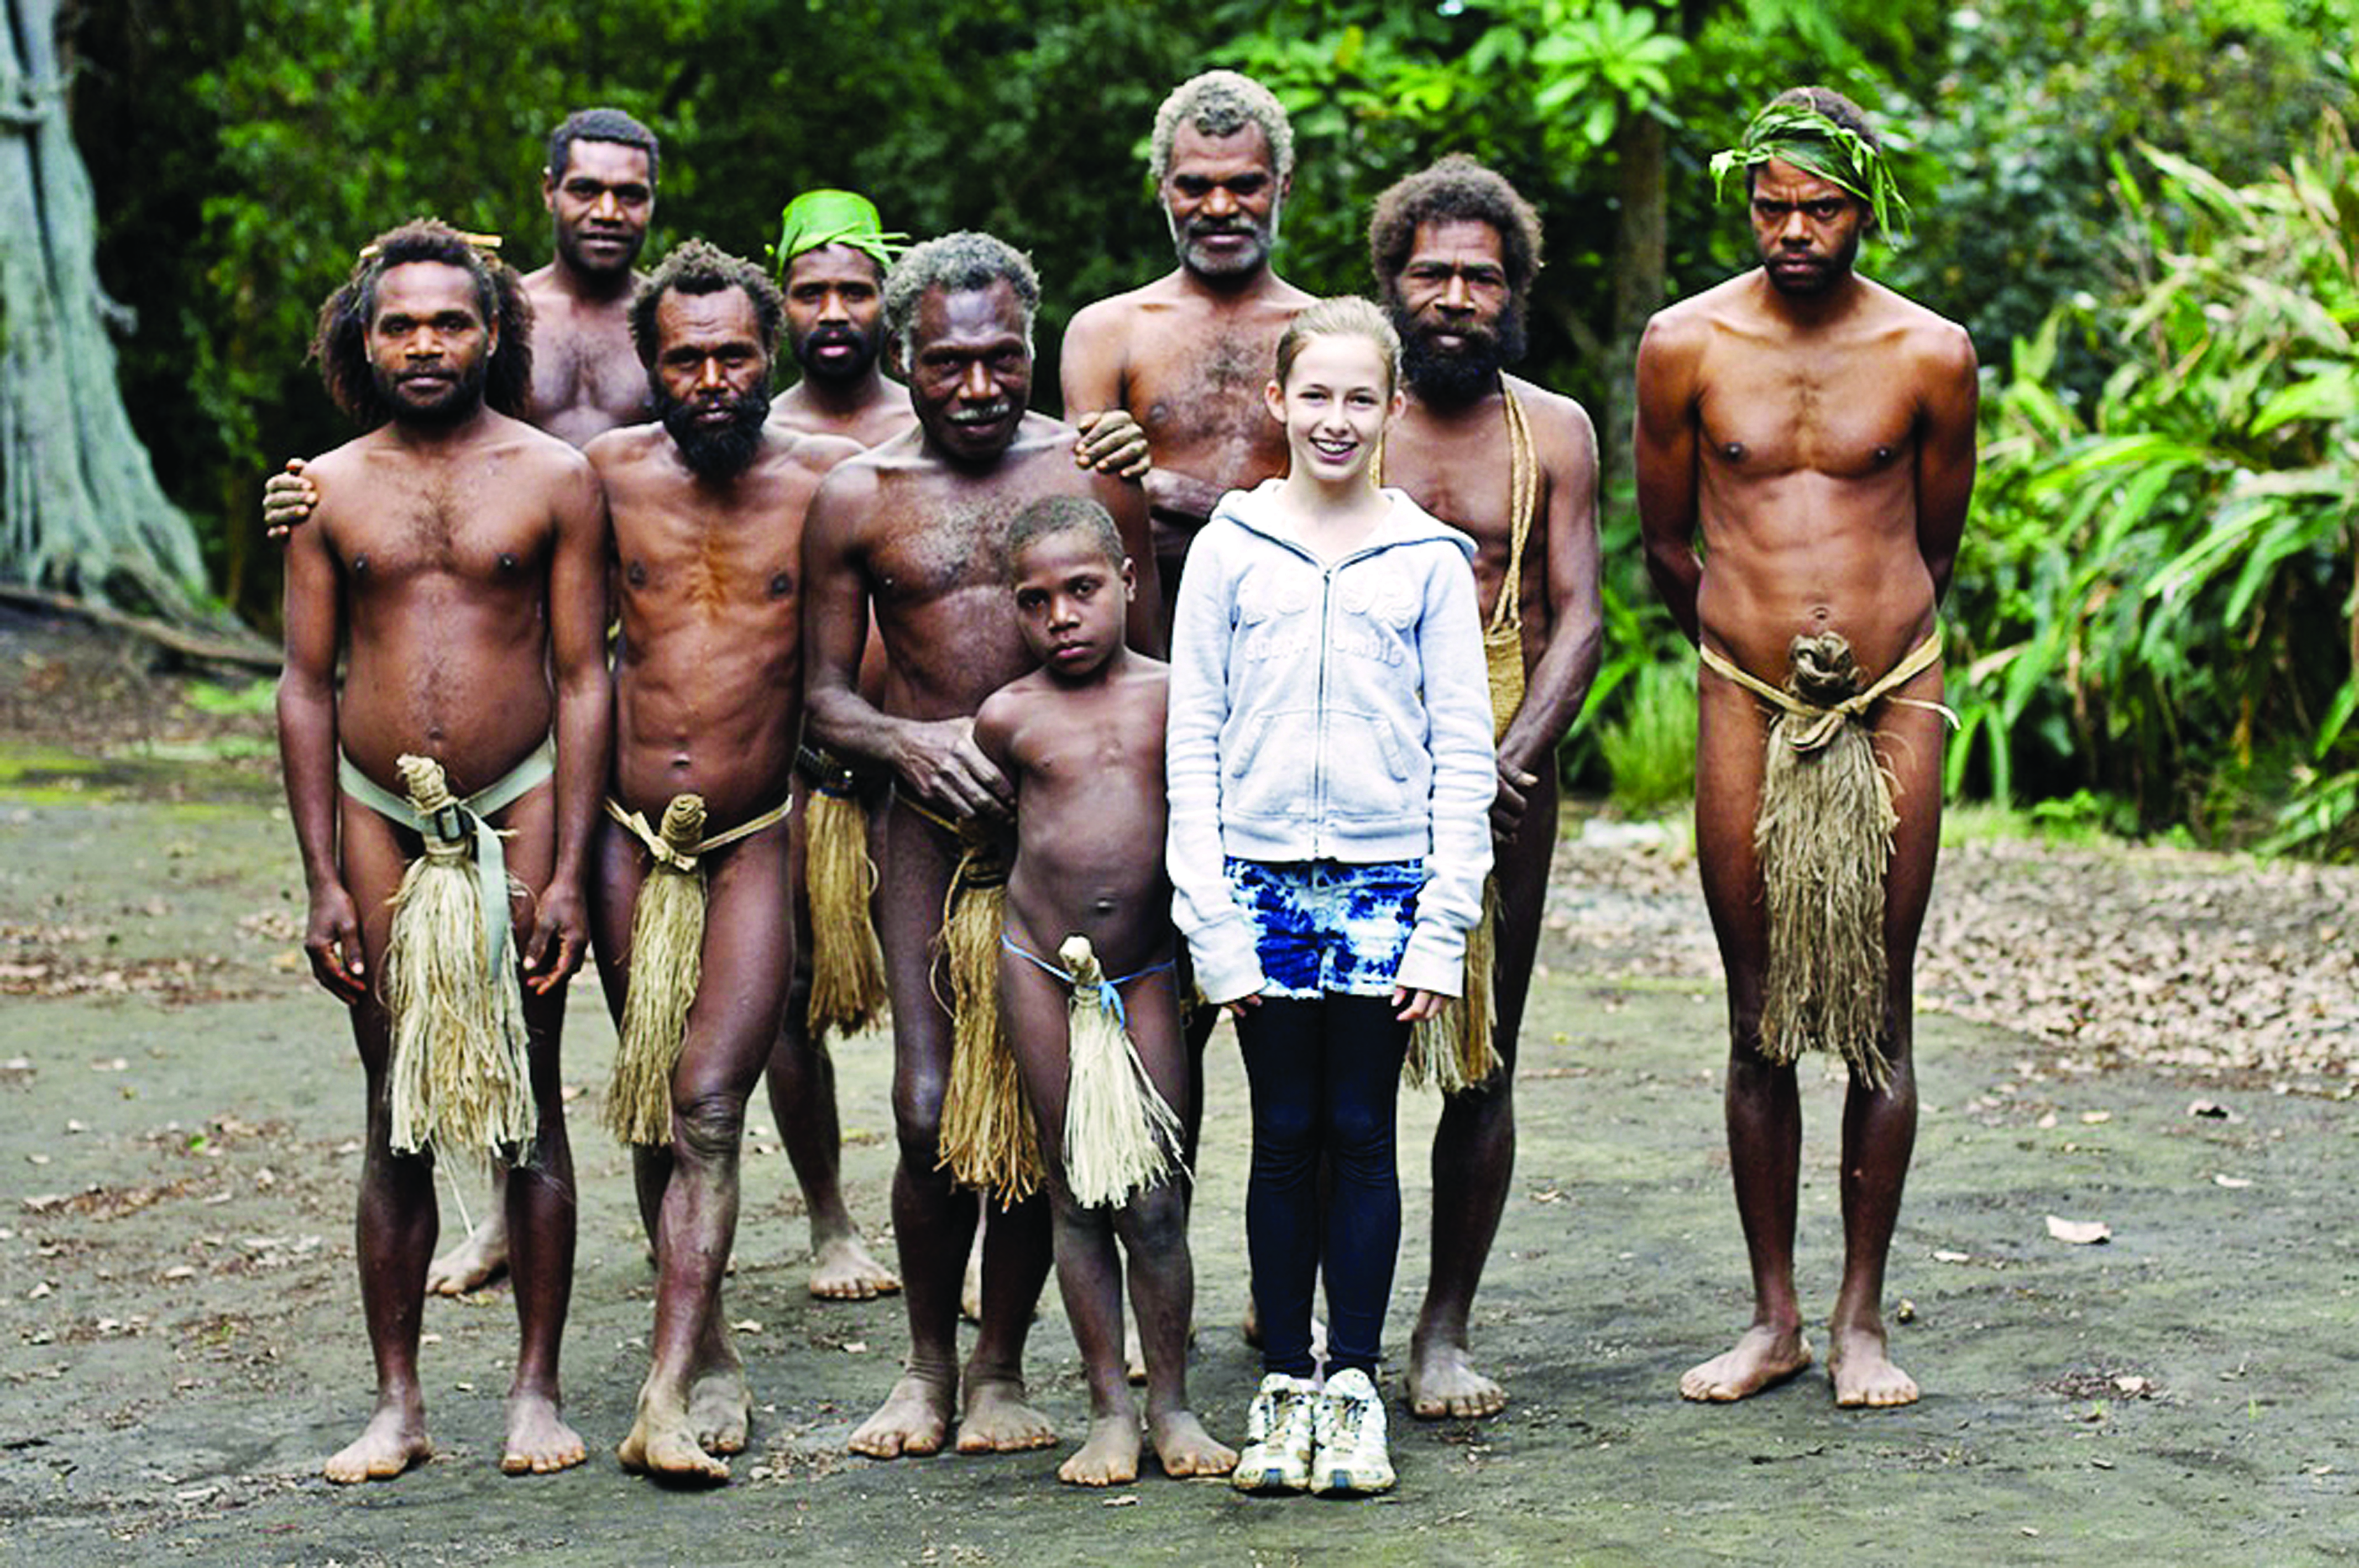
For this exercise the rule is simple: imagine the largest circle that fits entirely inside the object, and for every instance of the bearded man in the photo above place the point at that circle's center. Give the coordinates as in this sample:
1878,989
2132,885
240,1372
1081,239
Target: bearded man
1187,356
692,881
1454,252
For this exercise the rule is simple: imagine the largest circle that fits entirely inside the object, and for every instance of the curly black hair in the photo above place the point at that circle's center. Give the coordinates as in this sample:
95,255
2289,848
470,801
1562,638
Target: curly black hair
699,267
1456,187
341,342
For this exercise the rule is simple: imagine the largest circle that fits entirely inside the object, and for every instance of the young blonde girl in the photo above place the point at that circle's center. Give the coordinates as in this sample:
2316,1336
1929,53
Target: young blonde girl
1330,776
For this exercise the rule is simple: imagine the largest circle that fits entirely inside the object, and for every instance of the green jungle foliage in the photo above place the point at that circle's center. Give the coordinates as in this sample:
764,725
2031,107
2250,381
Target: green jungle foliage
1650,749
244,149
2160,595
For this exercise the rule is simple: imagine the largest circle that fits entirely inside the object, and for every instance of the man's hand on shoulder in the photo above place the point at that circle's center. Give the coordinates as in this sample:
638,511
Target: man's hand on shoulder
1112,442
288,499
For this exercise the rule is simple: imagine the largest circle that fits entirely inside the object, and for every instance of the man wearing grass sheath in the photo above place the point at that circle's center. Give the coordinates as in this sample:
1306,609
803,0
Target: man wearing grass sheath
1815,432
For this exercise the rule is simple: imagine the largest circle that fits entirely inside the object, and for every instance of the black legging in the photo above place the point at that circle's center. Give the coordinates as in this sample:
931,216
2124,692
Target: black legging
1326,1076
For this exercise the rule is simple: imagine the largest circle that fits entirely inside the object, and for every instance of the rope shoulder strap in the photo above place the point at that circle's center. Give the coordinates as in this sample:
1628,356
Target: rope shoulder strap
1523,506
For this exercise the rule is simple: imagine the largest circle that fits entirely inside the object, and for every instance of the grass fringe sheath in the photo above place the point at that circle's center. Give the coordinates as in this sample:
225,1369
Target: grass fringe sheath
989,1140
1453,1051
1824,838
460,1075
1121,1135
667,963
847,993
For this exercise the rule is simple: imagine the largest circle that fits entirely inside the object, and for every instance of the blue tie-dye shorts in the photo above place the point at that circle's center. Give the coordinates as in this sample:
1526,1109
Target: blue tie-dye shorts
1323,927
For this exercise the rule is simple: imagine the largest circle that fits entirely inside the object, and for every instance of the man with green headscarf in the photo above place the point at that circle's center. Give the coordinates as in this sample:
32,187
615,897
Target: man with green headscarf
830,258
1815,431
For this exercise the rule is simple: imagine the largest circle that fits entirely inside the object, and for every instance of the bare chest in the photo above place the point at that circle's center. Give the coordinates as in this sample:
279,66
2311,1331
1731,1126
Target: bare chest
936,535
1842,416
1194,385
408,522
586,377
681,554
1099,769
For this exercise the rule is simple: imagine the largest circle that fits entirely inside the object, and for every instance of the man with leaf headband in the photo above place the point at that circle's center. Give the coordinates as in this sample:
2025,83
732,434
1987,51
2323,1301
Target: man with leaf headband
1814,433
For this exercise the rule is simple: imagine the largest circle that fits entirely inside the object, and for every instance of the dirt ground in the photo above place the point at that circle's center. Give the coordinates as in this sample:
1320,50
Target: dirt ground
2159,1042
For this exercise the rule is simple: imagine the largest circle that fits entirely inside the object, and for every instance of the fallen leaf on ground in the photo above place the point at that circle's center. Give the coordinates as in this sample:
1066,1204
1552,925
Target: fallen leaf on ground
2080,1232
2221,1179
1947,1257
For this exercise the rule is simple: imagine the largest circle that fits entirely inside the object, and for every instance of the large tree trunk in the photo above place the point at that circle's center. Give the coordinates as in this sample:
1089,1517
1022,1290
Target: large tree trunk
79,507
1638,263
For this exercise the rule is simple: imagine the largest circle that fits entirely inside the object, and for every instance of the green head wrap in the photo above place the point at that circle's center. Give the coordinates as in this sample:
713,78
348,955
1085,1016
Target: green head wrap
818,217
1801,135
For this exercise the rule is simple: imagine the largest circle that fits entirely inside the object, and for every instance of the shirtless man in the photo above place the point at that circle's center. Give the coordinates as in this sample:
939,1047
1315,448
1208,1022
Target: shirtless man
707,511
459,564
1816,432
913,530
831,255
831,259
599,185
1189,354
1455,250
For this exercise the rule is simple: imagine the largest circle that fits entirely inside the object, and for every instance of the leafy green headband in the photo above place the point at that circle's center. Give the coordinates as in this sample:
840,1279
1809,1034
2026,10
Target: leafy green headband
1801,135
818,217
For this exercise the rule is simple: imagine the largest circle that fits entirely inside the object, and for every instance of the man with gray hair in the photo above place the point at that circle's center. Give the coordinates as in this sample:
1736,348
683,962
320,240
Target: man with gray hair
1189,354
912,531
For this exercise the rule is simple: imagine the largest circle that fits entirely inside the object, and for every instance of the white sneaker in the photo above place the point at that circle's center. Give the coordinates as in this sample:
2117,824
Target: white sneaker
1348,1432
1276,1454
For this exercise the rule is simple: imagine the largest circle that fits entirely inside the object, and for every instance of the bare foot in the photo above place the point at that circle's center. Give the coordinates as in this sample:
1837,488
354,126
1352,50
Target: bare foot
719,1407
1134,1355
539,1440
1762,1359
914,1418
475,1262
1185,1448
393,1440
1443,1382
1863,1373
997,1420
1110,1457
662,1444
842,1270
